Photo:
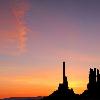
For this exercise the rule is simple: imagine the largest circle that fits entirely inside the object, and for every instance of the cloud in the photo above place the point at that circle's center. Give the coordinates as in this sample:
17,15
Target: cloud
20,9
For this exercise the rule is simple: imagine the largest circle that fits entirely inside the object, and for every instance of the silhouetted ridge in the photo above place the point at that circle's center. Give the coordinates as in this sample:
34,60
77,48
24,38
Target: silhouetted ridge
91,93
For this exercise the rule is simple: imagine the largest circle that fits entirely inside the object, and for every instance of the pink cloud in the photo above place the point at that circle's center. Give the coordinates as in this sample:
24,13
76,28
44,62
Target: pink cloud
20,9
13,29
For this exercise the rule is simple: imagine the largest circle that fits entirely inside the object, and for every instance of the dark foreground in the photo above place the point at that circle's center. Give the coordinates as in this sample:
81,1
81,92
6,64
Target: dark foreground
23,98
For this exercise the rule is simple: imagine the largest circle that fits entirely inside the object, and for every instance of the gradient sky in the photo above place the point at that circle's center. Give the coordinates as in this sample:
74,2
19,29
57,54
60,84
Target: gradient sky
37,35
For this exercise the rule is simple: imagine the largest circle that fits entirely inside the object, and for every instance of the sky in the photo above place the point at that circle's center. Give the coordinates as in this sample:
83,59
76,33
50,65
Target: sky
36,36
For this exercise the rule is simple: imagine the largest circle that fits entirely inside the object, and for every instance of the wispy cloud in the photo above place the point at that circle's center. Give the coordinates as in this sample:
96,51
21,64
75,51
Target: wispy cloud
20,9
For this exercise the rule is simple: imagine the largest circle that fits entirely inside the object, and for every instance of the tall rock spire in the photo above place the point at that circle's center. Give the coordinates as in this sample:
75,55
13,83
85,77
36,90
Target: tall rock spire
63,72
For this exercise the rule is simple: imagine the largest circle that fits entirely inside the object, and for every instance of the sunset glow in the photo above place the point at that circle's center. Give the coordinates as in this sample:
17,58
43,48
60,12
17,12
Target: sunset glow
36,36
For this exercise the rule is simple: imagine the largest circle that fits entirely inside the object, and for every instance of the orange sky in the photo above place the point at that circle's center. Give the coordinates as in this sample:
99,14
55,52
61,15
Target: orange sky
36,36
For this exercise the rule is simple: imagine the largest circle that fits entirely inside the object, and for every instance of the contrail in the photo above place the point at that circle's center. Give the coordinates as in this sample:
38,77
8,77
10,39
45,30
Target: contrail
20,9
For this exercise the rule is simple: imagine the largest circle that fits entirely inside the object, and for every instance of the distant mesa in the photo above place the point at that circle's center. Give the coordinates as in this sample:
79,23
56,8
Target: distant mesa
23,98
93,87
91,93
